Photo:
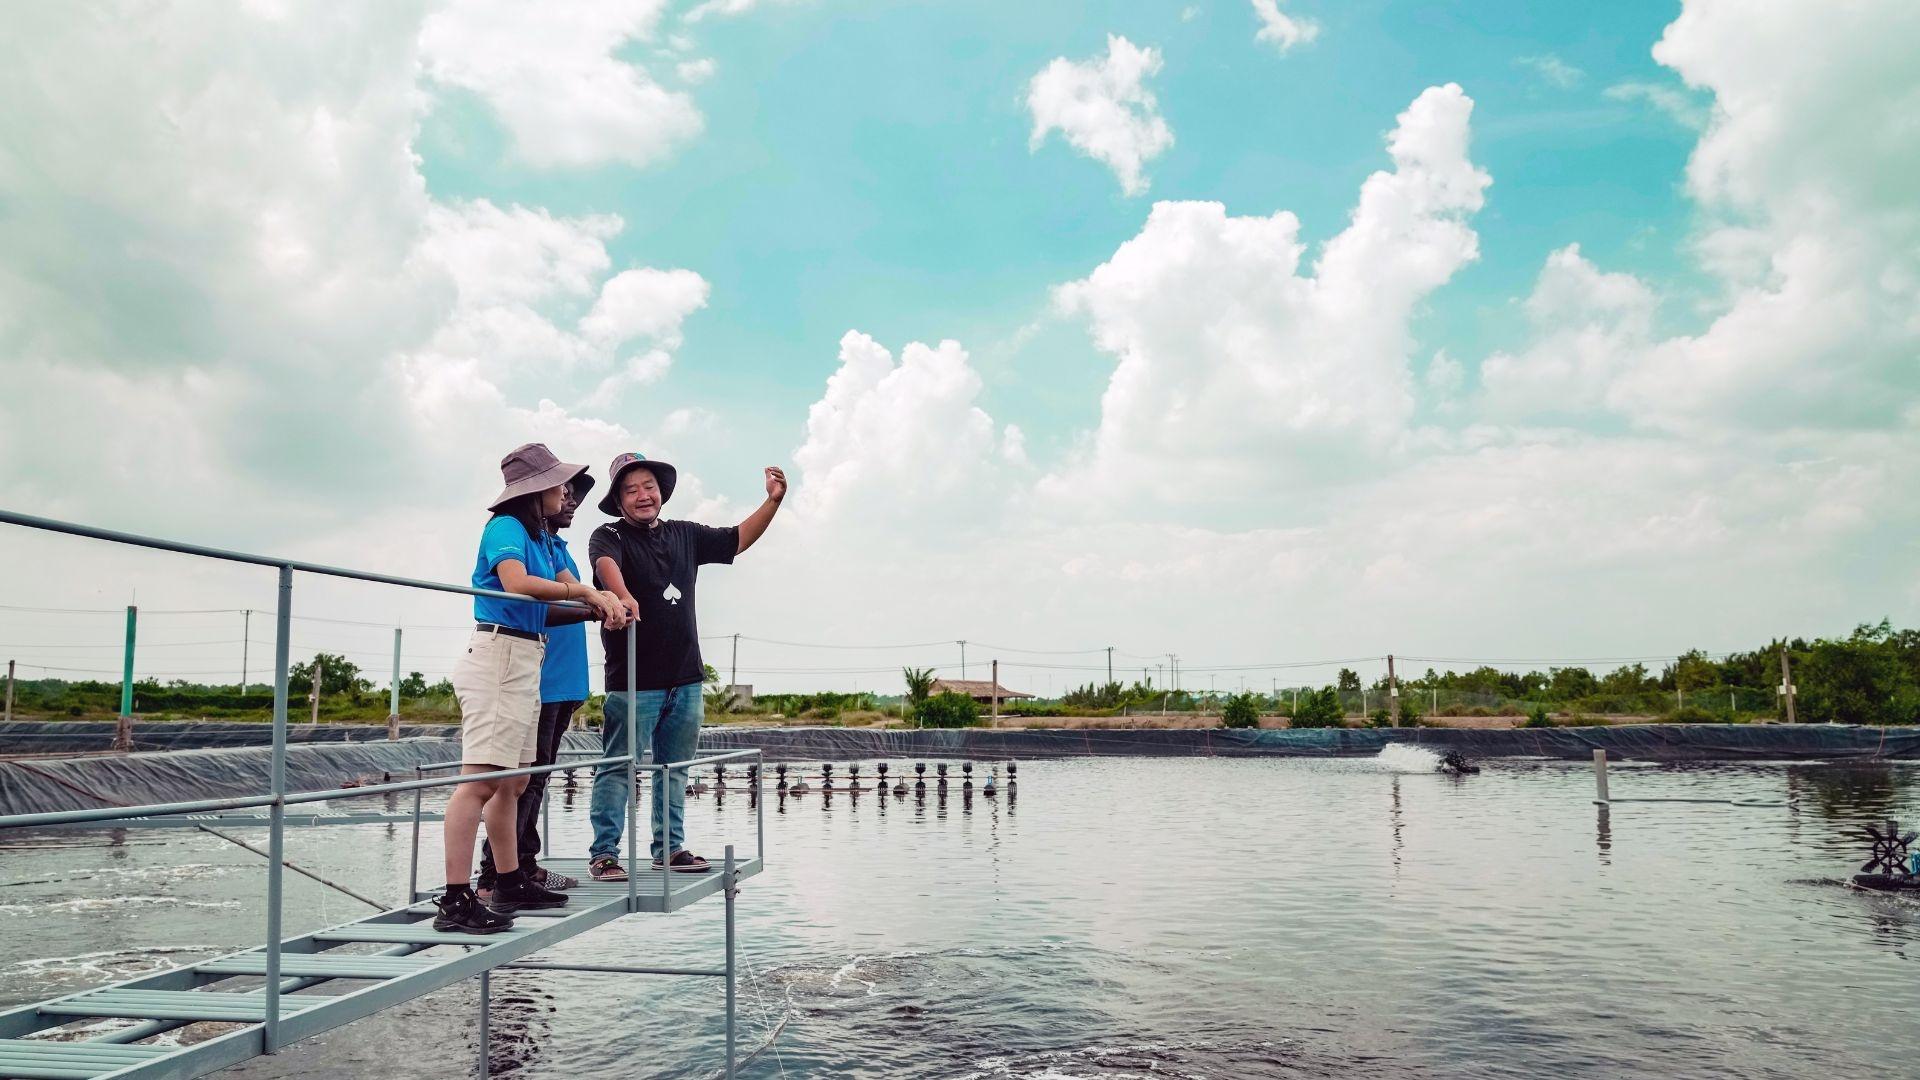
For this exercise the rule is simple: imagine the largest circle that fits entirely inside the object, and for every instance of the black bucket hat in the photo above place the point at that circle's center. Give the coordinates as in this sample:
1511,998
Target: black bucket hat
665,474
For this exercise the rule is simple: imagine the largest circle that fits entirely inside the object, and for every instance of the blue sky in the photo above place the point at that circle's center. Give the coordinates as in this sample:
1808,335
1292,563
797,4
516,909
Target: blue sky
1476,330
874,171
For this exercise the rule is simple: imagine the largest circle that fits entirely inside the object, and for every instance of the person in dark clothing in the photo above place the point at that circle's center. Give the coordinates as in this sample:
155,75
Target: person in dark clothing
563,689
651,564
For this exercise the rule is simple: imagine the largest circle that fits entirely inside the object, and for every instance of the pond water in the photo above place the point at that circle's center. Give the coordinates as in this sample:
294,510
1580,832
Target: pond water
1128,917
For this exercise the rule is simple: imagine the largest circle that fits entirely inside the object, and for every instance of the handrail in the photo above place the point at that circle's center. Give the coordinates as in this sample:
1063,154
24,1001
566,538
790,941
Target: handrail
295,798
135,539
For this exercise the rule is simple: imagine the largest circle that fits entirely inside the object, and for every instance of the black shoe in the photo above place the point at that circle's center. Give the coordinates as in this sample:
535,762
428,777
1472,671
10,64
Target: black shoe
462,913
513,892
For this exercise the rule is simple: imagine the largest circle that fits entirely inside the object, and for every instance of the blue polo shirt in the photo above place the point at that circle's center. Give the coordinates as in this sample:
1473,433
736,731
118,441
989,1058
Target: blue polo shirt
505,538
563,673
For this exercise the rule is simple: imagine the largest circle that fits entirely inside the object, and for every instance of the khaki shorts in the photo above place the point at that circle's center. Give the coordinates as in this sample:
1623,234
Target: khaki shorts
498,686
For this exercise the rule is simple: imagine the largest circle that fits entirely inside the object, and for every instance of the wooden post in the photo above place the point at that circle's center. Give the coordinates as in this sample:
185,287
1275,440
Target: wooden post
996,691
735,678
1109,663
319,672
246,639
1786,684
1600,777
9,691
1393,693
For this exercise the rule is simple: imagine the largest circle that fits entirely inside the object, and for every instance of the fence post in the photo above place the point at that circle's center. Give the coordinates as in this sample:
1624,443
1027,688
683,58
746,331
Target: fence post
996,689
1393,693
9,691
393,709
1786,683
277,839
319,673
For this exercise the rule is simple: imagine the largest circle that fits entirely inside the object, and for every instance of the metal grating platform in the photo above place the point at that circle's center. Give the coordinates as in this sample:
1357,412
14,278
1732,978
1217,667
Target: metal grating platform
419,960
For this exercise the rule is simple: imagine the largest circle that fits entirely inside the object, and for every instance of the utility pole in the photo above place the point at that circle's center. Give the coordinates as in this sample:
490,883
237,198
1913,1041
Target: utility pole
735,679
246,639
963,658
1109,663
9,691
393,713
996,690
319,672
1786,684
1393,693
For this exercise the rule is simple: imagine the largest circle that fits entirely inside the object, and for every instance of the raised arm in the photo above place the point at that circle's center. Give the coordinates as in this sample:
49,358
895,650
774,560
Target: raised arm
756,523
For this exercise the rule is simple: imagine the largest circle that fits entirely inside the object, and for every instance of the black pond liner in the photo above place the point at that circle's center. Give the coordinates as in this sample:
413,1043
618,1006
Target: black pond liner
234,759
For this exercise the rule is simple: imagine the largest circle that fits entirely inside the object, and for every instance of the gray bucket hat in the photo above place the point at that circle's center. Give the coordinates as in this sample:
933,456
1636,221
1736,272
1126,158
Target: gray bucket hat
665,474
532,468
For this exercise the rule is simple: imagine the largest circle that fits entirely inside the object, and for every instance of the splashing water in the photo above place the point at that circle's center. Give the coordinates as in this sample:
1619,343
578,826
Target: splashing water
1401,758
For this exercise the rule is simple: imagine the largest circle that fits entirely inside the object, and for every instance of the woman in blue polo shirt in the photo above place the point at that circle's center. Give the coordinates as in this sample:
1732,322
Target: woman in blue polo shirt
497,683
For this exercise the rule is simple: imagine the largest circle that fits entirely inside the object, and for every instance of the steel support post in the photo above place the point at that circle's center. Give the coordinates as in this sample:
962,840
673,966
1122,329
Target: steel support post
633,760
486,1020
727,886
277,837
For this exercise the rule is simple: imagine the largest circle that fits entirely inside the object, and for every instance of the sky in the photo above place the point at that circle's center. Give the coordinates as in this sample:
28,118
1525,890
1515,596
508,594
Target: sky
1275,335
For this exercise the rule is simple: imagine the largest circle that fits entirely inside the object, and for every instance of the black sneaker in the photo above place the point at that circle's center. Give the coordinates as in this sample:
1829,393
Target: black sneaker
686,862
513,892
463,913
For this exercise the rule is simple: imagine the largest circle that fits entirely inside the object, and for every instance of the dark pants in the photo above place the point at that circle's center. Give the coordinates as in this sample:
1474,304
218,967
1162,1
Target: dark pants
554,716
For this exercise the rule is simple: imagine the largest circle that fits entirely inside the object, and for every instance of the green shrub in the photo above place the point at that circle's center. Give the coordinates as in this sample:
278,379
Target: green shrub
1241,711
1410,710
1380,718
948,710
1692,714
1538,717
1319,709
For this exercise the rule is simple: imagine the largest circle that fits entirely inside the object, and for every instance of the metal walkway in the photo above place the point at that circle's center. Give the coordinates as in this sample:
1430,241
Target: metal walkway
266,995
331,977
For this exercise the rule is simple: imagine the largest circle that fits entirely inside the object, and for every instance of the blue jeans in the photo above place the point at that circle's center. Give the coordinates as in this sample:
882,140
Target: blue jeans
669,728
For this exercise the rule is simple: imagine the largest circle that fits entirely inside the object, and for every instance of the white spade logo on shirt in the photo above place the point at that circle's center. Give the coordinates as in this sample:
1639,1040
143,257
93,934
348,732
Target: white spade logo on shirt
671,594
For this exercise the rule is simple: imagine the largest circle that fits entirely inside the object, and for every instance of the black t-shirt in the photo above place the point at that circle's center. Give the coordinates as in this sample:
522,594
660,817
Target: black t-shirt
659,566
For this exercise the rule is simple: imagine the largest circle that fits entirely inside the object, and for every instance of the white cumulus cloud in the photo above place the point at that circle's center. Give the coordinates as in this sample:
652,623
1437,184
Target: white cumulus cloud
1238,371
1102,107
1282,30
889,436
554,75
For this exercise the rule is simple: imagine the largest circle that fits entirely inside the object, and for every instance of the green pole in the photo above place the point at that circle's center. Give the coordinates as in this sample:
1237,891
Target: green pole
123,727
126,678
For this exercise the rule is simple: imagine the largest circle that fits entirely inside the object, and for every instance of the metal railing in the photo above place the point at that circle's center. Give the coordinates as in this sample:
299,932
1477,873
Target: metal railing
278,798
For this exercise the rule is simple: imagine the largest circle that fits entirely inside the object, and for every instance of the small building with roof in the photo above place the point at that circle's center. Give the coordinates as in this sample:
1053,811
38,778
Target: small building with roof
980,690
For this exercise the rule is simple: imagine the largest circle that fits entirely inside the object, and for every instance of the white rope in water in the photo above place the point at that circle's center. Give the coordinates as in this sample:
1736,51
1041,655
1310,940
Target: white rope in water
1719,802
773,1030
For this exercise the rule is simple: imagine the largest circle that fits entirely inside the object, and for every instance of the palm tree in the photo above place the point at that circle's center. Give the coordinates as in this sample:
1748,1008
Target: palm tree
919,686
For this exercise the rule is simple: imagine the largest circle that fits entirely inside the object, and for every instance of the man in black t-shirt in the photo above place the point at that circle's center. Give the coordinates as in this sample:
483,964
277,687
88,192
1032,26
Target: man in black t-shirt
651,564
